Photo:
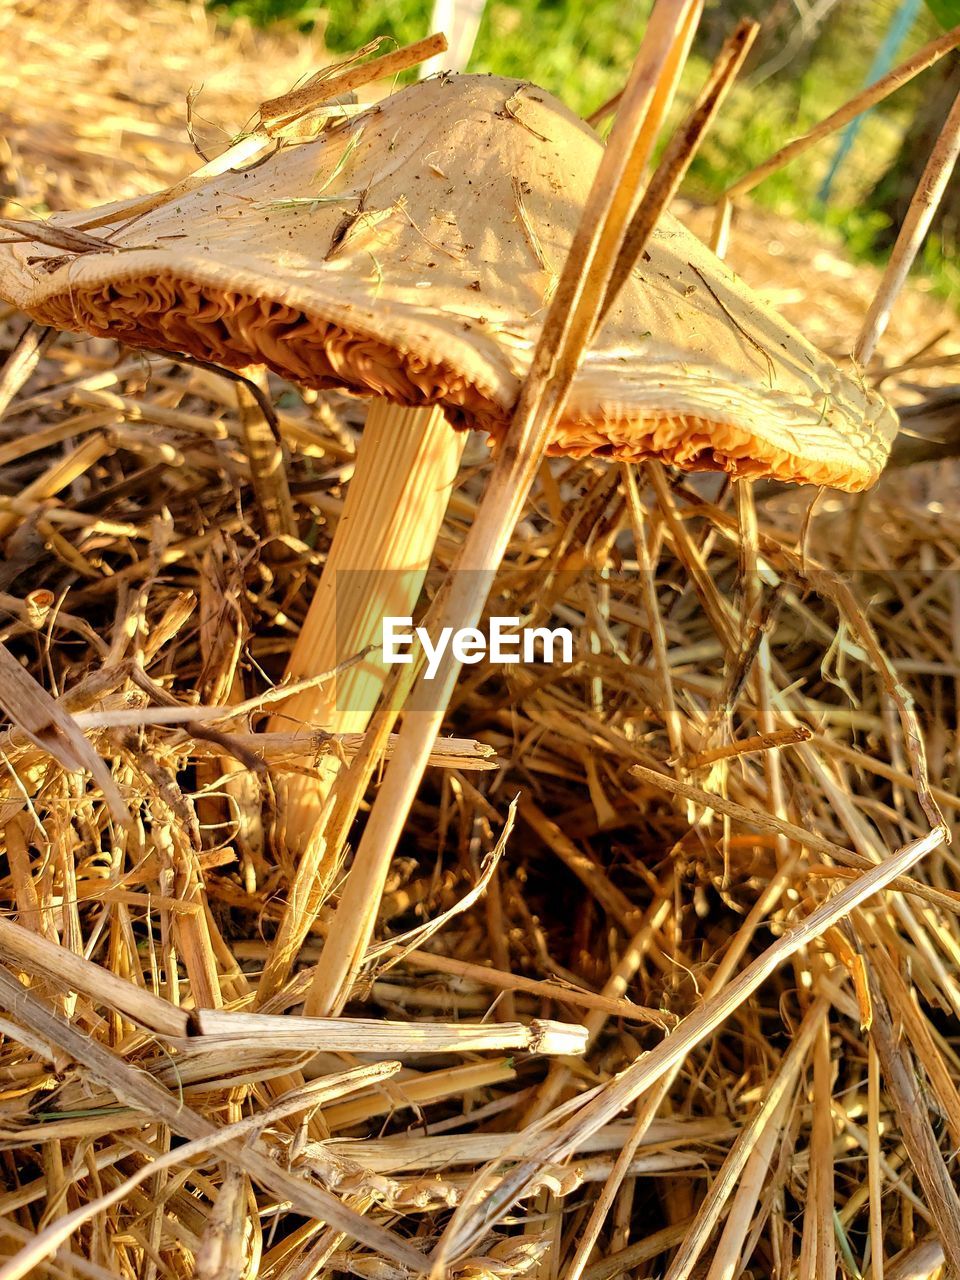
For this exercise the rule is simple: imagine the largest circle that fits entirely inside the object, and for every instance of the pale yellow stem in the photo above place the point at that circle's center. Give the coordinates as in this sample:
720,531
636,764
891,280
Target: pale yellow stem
406,466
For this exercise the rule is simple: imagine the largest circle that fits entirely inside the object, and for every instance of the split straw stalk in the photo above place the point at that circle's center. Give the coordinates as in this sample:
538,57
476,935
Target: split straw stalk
570,323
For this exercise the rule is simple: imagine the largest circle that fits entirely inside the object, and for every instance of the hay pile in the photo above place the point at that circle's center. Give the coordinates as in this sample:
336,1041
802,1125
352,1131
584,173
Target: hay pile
94,96
733,742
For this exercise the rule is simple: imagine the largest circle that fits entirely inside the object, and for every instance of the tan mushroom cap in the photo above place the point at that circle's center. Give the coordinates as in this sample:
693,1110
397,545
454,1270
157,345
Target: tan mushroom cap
411,252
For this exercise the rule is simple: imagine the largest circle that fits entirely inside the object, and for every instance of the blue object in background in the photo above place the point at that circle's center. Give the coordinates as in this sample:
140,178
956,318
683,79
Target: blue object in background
903,20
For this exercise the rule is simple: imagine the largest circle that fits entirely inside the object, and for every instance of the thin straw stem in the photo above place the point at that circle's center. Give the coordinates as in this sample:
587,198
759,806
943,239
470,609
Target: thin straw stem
569,325
666,89
681,149
268,465
874,1172
459,20
869,97
725,1256
913,1114
655,628
920,215
22,360
726,1182
276,112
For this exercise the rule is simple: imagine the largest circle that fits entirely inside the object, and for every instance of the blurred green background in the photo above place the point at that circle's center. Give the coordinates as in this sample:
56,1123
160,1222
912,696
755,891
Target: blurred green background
810,57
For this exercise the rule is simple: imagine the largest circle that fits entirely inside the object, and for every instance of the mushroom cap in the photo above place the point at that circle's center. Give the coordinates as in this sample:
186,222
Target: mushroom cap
411,252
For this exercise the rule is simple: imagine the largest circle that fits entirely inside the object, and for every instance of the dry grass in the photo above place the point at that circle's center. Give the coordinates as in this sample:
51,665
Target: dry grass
736,741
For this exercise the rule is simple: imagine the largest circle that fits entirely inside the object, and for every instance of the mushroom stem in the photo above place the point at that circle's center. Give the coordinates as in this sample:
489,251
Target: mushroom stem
406,464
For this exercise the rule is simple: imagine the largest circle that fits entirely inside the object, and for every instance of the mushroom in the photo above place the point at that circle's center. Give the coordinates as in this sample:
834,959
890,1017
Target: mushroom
409,254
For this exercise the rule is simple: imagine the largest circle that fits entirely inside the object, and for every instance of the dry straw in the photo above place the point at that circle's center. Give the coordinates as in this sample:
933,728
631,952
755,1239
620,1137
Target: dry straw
690,1013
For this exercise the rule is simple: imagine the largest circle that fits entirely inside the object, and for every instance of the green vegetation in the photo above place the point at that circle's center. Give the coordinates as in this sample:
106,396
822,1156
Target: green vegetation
947,11
580,50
